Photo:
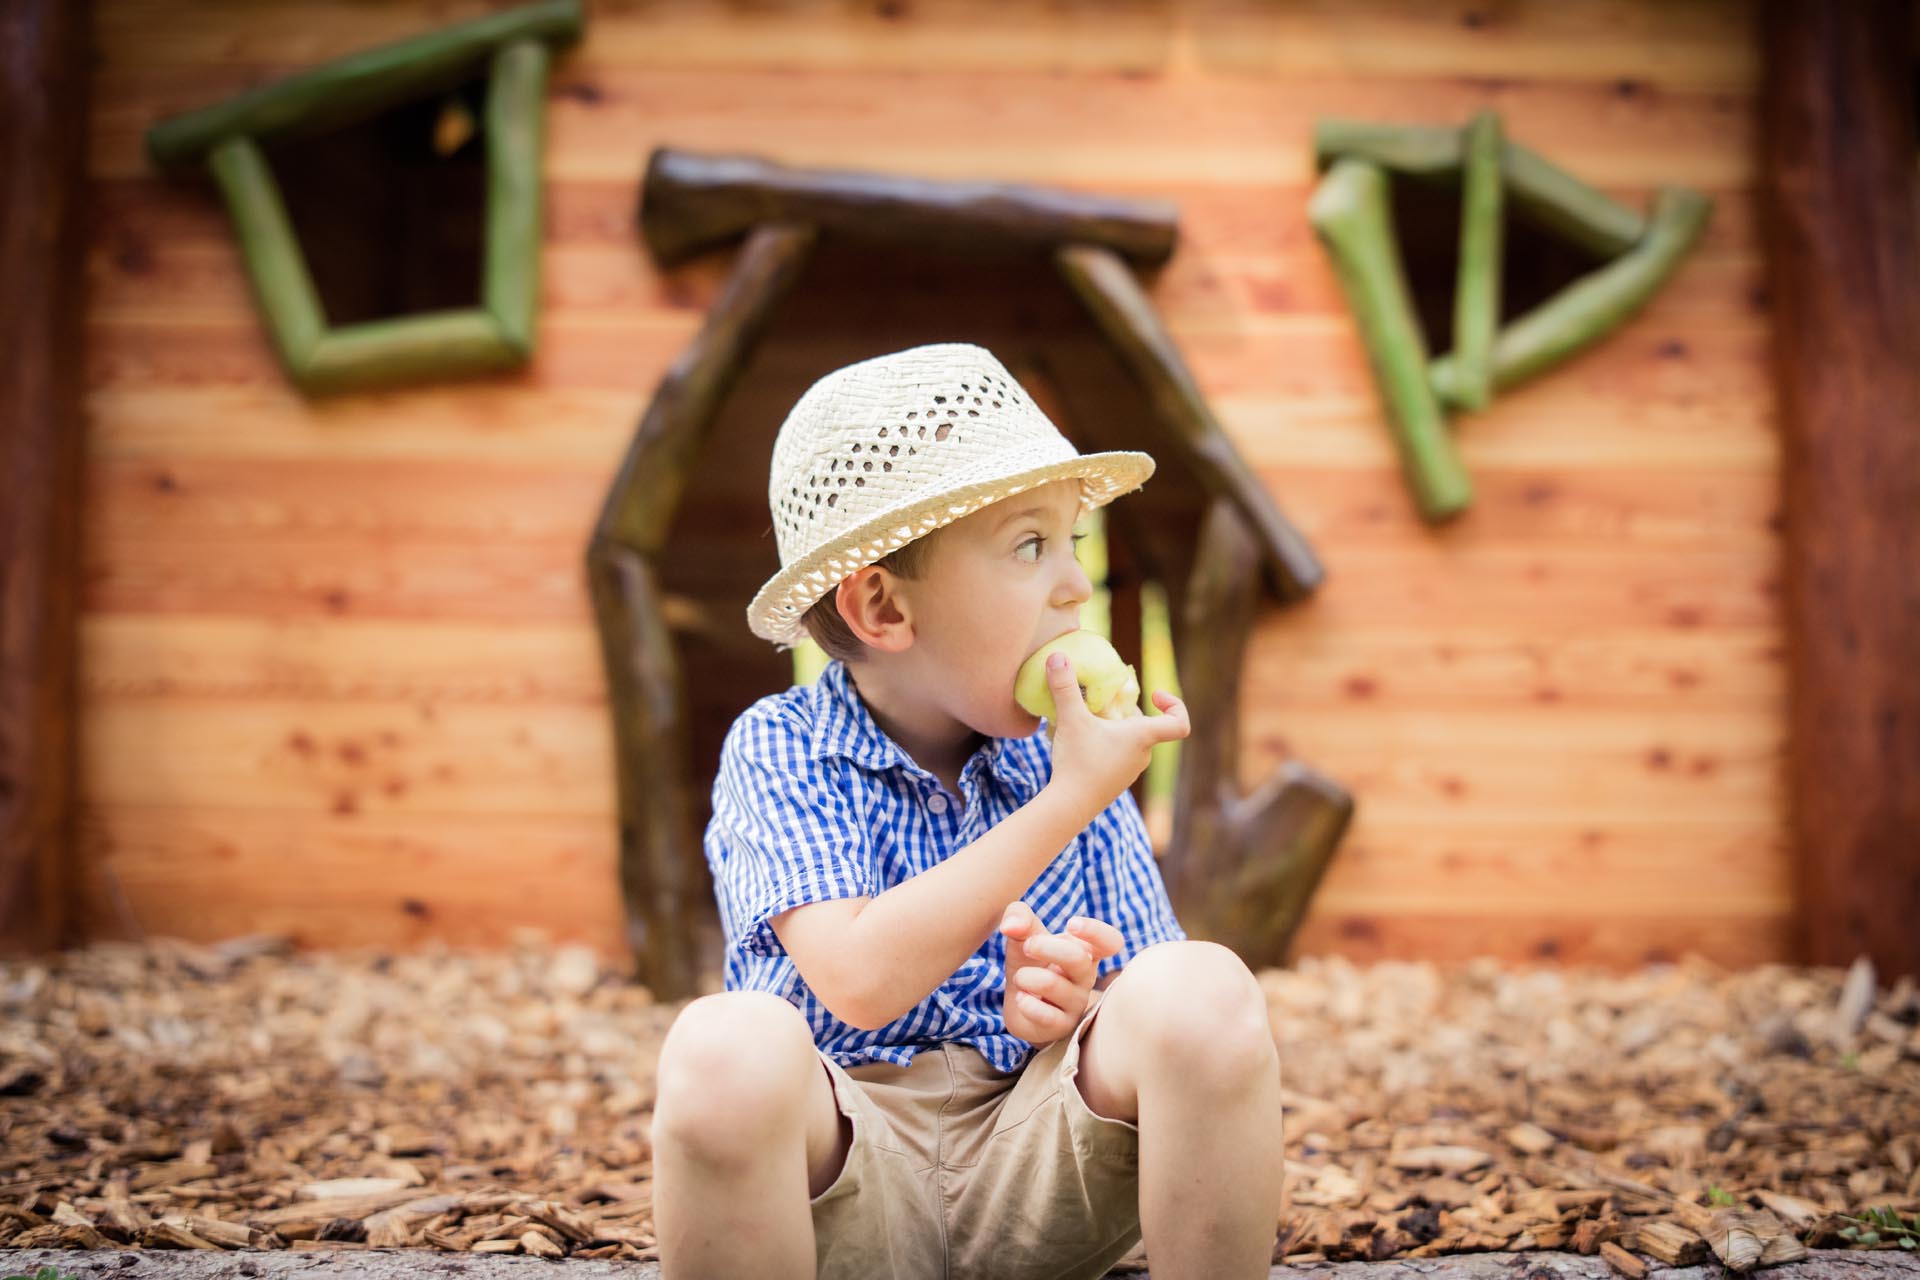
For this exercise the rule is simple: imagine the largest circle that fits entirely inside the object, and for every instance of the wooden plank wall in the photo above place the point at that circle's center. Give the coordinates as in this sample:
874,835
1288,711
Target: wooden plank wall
338,665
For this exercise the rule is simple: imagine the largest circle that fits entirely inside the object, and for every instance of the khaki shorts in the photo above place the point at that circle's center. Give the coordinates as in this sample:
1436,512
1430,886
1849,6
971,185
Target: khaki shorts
958,1172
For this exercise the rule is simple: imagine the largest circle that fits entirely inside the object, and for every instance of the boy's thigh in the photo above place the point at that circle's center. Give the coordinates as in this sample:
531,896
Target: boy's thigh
878,1213
1056,1190
829,1133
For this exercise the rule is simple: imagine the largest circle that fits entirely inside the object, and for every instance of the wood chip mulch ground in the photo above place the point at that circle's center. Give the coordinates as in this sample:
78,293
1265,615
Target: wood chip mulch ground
249,1096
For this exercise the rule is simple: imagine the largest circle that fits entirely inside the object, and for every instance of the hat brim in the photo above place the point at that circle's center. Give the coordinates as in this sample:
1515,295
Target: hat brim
777,609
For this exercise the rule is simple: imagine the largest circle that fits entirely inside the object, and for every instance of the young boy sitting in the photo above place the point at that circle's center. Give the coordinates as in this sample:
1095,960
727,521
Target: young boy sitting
927,900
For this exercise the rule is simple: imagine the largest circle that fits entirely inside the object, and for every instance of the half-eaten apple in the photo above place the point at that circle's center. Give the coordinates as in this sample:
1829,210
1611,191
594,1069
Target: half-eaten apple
1111,686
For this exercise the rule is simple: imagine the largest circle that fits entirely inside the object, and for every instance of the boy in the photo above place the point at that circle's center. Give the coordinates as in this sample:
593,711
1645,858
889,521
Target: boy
926,901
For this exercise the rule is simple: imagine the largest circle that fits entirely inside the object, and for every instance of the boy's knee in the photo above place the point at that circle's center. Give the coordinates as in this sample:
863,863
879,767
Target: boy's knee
1201,1009
734,1066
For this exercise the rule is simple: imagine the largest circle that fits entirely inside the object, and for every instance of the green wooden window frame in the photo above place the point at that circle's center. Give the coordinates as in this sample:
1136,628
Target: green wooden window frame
497,334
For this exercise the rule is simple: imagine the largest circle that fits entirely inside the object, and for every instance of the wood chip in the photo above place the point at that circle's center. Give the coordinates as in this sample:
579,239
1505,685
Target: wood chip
1622,1262
1529,1138
455,1102
1670,1242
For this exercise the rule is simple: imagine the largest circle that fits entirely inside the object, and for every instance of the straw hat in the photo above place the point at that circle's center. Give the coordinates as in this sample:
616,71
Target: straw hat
886,450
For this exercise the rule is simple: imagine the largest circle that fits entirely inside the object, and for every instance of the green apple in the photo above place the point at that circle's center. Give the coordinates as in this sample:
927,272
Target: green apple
1112,687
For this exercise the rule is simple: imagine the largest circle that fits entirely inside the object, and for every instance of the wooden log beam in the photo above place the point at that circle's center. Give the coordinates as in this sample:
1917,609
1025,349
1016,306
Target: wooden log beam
1123,312
662,865
1593,306
692,202
360,85
43,130
1843,258
1541,191
1349,213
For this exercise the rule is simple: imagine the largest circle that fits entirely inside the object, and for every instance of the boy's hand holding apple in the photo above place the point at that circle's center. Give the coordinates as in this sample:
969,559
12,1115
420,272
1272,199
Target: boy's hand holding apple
1096,757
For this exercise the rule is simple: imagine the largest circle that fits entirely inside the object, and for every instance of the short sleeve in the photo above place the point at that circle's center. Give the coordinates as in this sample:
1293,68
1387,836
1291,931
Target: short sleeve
1124,887
782,833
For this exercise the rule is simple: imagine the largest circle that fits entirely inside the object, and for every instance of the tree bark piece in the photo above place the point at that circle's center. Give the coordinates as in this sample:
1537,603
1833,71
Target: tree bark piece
1591,307
1123,312
1476,298
1544,193
693,202
1349,213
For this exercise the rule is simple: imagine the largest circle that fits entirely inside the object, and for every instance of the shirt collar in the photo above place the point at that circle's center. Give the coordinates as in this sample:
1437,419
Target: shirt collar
843,726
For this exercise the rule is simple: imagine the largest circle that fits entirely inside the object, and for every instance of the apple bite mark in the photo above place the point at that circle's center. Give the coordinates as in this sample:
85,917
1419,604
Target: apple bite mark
1112,688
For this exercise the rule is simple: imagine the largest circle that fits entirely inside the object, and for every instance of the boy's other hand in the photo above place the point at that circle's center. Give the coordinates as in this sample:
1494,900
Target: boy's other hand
1050,976
1095,758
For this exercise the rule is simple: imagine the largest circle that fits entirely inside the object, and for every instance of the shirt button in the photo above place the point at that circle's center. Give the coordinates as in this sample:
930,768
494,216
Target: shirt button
937,803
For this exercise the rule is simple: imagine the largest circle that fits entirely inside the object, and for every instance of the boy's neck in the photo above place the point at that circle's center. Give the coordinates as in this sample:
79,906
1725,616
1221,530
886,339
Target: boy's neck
936,741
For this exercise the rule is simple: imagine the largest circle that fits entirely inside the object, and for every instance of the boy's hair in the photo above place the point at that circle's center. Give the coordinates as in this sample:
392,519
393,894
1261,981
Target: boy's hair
830,631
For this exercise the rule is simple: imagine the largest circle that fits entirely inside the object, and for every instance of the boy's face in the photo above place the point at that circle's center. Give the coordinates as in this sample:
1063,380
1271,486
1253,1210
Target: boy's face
999,583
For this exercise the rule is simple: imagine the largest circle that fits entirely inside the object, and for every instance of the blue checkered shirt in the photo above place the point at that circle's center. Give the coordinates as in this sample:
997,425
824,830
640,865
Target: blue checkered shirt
814,801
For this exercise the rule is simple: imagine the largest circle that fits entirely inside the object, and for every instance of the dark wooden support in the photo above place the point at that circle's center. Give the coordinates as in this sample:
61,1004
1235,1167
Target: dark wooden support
43,130
662,863
1240,869
694,202
1843,253
1122,311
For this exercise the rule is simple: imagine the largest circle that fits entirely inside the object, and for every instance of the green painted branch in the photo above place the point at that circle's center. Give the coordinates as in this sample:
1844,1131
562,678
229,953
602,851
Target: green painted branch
1476,296
1593,306
516,113
440,344
1349,213
1541,191
1113,296
275,264
359,85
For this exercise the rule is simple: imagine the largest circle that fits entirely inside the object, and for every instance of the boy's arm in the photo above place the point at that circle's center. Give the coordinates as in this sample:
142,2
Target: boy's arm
910,939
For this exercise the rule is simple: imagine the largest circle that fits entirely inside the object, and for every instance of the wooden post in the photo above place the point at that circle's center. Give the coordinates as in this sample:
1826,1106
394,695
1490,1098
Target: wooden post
43,129
662,861
1843,256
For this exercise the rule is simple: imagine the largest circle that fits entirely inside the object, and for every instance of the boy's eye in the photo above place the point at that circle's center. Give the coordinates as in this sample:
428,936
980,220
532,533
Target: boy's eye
1038,540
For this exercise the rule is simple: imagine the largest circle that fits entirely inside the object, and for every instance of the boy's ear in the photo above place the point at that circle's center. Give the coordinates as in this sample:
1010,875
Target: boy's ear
871,604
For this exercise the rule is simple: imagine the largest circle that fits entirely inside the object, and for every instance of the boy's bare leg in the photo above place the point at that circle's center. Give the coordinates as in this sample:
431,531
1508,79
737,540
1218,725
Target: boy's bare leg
745,1132
1206,1096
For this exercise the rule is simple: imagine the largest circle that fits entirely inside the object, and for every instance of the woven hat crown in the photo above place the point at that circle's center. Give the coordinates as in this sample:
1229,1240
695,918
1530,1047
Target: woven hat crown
883,432
888,449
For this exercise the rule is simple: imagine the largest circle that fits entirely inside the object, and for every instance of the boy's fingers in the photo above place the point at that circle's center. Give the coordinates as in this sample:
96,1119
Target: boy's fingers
1065,688
1172,723
1098,934
1074,955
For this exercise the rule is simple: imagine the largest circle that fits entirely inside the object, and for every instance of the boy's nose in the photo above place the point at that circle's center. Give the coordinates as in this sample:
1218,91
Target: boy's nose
1077,588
